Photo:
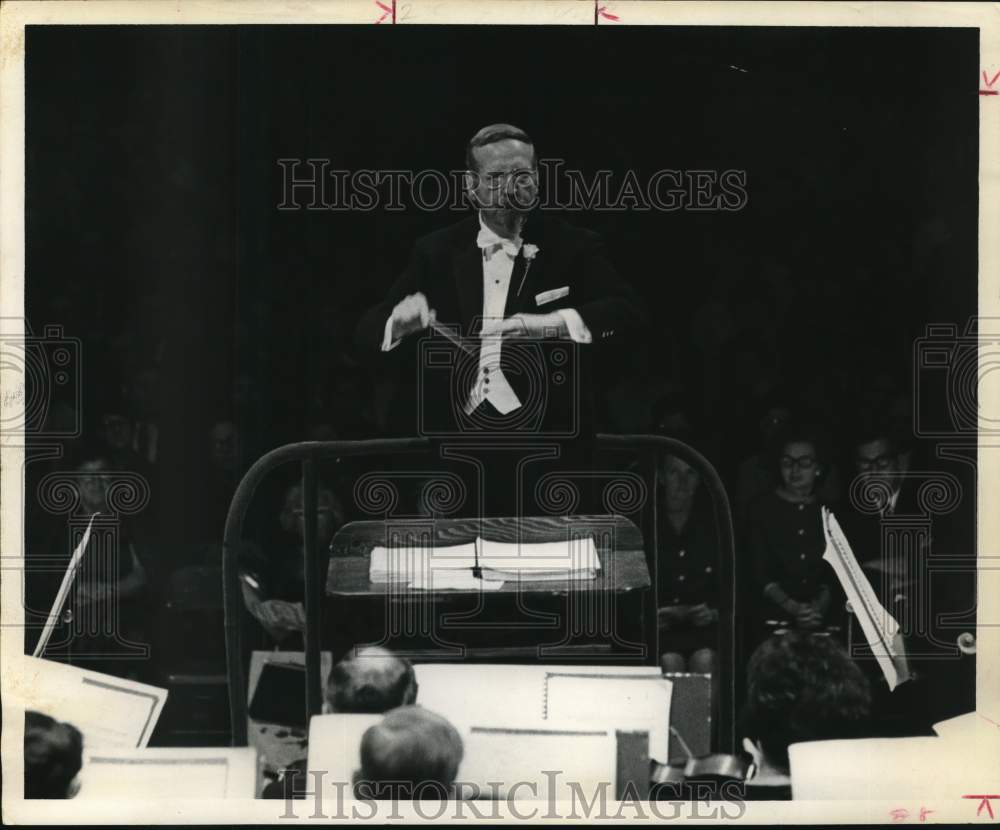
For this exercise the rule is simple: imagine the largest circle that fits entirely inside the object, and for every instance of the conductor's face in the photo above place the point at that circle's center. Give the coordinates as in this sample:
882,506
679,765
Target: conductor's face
504,185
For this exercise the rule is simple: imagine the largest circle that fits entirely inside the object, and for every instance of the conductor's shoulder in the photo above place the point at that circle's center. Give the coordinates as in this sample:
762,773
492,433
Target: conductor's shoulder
450,236
557,228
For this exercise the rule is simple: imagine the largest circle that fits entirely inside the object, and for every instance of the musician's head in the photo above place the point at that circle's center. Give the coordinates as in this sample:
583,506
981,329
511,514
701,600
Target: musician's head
681,482
411,753
93,467
801,686
501,177
224,446
798,458
329,513
370,680
53,756
879,450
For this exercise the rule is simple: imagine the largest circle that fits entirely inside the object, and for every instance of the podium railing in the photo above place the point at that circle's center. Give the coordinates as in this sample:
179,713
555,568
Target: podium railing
649,451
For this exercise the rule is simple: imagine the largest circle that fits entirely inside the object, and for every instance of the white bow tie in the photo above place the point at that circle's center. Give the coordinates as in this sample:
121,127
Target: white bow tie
491,243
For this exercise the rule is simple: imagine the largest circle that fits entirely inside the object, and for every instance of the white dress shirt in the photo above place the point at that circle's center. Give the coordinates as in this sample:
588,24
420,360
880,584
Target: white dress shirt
498,255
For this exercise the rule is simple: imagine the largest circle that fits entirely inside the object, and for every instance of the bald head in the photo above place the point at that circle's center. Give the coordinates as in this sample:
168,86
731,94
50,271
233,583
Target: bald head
412,750
370,681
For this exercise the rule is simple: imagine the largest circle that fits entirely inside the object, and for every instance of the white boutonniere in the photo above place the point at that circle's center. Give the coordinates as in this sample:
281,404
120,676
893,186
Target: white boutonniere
530,252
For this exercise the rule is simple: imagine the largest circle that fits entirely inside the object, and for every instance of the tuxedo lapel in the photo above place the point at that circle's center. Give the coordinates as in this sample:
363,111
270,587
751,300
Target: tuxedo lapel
518,280
467,267
521,296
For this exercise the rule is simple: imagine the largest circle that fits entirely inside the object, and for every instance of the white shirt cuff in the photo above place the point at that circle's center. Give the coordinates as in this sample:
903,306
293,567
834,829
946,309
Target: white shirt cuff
578,331
388,344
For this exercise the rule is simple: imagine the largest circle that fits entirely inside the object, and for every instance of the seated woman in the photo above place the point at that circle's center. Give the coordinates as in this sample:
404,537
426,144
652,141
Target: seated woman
686,574
274,585
103,623
801,686
786,541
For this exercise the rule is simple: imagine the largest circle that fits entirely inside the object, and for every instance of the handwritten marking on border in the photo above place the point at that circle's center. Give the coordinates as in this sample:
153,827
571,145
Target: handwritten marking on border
989,84
387,11
602,11
984,800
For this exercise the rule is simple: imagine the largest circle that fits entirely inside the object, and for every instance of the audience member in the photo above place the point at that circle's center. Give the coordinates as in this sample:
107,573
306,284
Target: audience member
411,754
883,492
106,614
786,538
370,680
687,573
801,686
53,756
274,585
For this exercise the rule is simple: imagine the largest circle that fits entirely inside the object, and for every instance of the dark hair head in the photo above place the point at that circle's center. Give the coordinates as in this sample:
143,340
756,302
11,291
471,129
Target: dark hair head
88,452
803,687
53,755
873,426
796,432
414,751
492,134
370,681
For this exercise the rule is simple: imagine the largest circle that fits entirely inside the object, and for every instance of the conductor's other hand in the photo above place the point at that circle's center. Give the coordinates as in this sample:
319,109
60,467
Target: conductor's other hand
411,314
534,326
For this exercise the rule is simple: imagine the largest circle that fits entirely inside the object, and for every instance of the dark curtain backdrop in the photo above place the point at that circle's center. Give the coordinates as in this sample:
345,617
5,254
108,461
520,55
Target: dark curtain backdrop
152,188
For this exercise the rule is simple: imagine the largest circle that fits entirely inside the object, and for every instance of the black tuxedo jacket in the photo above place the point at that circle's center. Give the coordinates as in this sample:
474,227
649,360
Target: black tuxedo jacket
552,378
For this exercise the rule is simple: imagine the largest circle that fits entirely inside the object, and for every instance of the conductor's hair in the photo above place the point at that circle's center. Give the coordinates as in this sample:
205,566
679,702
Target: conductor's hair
492,134
803,687
411,753
369,682
53,755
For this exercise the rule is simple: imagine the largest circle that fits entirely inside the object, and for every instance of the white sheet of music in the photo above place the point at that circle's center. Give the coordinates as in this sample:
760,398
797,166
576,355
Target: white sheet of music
63,592
919,769
623,701
509,756
169,773
335,745
502,694
108,710
880,628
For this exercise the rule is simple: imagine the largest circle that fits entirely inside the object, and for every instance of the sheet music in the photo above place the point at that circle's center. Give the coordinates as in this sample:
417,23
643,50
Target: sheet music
455,581
879,626
108,710
169,773
619,701
500,694
569,555
335,744
497,757
65,585
414,563
918,768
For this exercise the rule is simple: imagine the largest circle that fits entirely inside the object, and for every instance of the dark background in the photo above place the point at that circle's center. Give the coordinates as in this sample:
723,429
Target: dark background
153,233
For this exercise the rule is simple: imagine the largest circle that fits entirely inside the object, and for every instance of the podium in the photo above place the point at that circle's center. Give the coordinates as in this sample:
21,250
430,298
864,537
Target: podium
610,618
628,559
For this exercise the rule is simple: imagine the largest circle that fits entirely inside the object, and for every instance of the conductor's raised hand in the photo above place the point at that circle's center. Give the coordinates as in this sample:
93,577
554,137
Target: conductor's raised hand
411,314
533,326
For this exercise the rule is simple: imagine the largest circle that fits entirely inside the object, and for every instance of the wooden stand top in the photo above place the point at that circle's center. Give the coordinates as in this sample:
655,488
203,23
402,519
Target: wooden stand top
618,541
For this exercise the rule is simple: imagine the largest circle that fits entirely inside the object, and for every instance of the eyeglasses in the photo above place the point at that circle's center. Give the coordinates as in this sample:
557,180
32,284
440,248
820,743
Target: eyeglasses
882,462
803,462
520,178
